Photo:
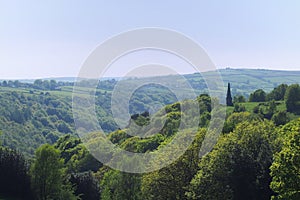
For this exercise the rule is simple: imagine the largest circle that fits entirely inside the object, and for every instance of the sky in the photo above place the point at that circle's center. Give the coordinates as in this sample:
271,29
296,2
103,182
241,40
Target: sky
53,38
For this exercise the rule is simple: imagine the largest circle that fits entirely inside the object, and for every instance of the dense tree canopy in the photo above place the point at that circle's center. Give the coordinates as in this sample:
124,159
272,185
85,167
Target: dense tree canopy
292,98
286,166
238,167
256,155
258,96
239,99
277,93
15,180
118,185
173,179
48,175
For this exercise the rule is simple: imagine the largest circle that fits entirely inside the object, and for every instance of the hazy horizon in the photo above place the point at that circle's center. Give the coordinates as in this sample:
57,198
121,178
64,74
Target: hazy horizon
142,76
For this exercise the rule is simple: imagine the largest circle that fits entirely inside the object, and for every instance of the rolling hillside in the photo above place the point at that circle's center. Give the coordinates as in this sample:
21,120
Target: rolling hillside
245,81
30,116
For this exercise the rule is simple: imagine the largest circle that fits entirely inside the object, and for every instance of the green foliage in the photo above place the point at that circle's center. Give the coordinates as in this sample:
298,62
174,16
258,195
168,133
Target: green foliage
239,99
172,124
30,116
238,167
48,175
117,137
292,99
117,185
137,145
277,93
45,85
150,143
239,108
87,186
29,120
147,96
141,119
204,119
173,107
286,166
280,118
171,181
234,119
266,110
204,101
15,180
76,156
258,96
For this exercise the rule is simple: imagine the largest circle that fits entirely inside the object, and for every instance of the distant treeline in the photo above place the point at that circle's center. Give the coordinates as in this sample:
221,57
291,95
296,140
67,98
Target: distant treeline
40,84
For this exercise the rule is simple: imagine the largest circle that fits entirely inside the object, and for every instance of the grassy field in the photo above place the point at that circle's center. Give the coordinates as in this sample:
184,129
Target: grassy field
66,91
250,106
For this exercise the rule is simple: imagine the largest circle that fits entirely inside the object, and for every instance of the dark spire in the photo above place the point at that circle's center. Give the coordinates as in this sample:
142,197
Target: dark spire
228,96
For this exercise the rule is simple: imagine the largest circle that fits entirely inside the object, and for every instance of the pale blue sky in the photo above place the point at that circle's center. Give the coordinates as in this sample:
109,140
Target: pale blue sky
53,38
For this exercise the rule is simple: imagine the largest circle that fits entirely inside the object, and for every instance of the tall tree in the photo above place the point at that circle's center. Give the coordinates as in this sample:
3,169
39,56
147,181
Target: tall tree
76,156
48,175
286,166
15,180
172,181
87,186
238,167
117,185
228,96
292,98
277,93
258,96
239,99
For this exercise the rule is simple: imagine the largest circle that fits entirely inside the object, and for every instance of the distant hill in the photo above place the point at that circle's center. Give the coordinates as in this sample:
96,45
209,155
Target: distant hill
32,114
245,81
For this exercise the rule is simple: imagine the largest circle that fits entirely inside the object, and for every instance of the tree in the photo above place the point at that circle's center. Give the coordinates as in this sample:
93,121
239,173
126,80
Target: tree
53,84
86,186
15,180
266,109
237,117
118,185
238,167
17,83
4,84
48,175
292,98
171,181
38,84
239,107
277,93
280,118
76,156
258,96
239,99
228,96
286,166
205,103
